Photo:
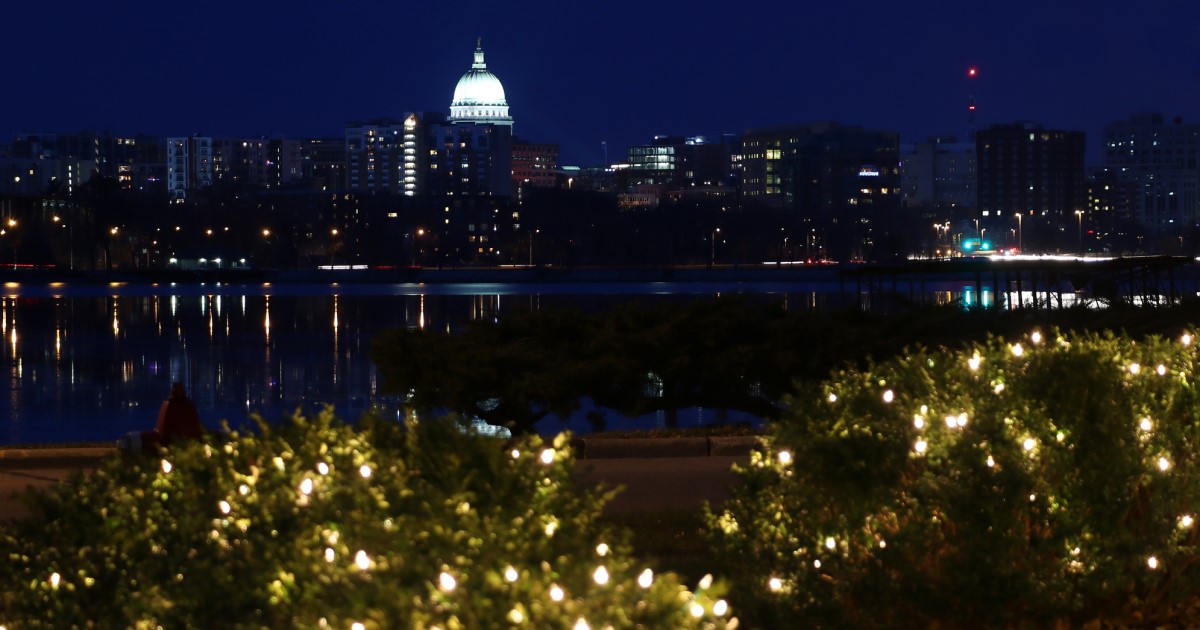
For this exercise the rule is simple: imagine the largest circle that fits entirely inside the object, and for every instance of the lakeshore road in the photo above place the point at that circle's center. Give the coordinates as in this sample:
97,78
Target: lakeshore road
661,478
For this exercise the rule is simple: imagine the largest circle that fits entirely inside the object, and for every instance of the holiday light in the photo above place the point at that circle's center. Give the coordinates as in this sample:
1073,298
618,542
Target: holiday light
1161,369
918,421
362,561
600,576
323,468
785,458
830,543
1134,368
515,454
1152,562
920,446
602,550
1164,464
832,397
306,486
548,456
705,582
1035,337
224,506
516,616
55,578
1146,425
365,471
720,608
646,578
446,582
166,466
582,624
1017,350
1186,339
1185,521
697,610
510,574
775,584
973,362
888,396
556,593
330,556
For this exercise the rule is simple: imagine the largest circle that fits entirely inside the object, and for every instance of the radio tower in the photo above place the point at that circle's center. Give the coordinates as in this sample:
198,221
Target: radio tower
972,72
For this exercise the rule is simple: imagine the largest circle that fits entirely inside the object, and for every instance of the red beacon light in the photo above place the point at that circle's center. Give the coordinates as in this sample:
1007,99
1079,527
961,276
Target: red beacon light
972,71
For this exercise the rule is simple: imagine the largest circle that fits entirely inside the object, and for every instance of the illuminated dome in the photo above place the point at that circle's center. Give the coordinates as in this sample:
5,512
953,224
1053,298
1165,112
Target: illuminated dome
479,97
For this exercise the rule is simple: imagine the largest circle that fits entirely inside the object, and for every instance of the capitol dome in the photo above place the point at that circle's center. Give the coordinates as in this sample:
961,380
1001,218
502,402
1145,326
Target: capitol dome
479,96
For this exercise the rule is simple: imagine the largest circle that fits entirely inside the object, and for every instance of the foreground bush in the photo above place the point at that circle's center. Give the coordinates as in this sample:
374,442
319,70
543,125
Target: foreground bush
315,524
1052,480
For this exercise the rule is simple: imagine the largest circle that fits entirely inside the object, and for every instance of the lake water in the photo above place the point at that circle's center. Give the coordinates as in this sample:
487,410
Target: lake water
92,362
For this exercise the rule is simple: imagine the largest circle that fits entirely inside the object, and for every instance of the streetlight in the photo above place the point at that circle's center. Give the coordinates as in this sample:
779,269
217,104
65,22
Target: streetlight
1020,235
713,240
1079,214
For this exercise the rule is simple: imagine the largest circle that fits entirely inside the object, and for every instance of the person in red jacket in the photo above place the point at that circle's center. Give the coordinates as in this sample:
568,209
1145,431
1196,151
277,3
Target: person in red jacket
177,420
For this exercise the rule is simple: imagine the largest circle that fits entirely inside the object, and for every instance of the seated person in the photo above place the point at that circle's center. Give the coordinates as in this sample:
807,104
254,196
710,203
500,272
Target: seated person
177,420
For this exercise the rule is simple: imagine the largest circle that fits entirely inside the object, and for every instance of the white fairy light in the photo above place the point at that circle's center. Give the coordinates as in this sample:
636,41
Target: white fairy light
1152,562
720,608
166,466
816,564
516,616
1060,436
550,528
357,626
1164,464
962,419
323,468
920,446
243,489
602,550
1017,350
224,506
556,593
646,578
581,624
306,486
882,544
1036,337
1186,339
951,421
600,575
1032,498
830,543
998,388
364,471
1029,444
1161,369
832,397
362,560
515,454
511,574
973,362
785,457
548,456
888,396
1134,368
918,421
55,578
330,554
1146,425
991,462
278,461
775,584
697,610
705,582
1185,521
446,582
924,410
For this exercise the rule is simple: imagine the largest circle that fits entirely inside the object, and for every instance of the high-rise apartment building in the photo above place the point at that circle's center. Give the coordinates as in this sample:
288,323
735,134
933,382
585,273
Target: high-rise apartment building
939,174
1160,158
189,165
1035,173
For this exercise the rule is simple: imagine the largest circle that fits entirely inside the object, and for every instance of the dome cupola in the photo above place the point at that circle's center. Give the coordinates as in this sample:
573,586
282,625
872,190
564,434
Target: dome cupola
479,96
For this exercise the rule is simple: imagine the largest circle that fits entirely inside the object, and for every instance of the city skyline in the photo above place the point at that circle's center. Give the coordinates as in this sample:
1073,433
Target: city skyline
579,75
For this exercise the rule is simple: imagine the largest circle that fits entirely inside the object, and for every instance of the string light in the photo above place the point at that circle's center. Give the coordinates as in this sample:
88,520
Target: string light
166,466
646,578
362,561
918,421
697,610
510,574
306,486
556,593
720,608
888,396
1186,339
55,578
1017,350
785,458
1036,337
973,362
1185,521
323,468
365,471
920,446
516,616
582,624
330,556
775,584
1146,425
548,456
1134,368
1164,464
1152,562
602,550
990,462
832,397
1161,369
446,582
830,543
515,454
600,576
224,505
705,582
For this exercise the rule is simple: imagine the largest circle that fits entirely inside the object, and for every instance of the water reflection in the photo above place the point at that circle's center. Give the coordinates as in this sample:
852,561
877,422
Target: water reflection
90,363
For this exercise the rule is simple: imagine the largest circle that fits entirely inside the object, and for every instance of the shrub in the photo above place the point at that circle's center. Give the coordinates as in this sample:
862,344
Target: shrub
1051,480
315,524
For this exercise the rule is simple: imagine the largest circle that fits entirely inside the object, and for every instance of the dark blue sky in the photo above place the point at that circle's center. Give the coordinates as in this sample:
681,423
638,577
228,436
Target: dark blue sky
579,72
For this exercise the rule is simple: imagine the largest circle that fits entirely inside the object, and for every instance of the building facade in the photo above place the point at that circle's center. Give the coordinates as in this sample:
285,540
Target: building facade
189,165
1160,158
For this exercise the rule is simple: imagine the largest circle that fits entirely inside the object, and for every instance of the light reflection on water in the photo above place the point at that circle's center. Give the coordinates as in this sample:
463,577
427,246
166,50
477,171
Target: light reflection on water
90,363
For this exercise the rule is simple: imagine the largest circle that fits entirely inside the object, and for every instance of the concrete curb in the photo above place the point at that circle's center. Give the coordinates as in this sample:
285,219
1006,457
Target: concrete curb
11,458
620,448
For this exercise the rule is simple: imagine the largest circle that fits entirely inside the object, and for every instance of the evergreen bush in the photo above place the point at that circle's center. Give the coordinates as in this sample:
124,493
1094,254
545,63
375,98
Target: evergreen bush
315,524
1051,480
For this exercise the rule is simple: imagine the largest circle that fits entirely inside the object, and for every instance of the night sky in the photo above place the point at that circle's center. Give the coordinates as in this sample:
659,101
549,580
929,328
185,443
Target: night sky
577,73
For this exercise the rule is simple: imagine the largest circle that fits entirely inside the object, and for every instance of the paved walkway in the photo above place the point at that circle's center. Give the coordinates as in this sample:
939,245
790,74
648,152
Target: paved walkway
658,482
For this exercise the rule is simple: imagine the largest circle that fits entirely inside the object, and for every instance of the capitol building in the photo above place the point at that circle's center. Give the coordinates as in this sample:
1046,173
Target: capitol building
479,96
